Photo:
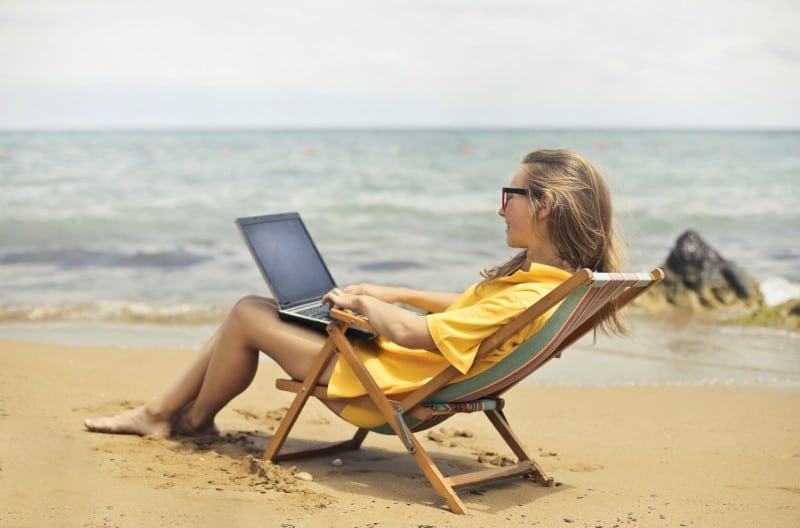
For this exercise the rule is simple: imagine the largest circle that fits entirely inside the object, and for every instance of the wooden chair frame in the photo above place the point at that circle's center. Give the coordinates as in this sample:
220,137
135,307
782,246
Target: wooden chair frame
411,406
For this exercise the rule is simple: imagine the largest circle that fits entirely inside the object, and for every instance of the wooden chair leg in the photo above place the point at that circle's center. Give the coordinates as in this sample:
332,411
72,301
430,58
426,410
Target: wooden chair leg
438,481
498,419
444,486
335,447
288,421
393,414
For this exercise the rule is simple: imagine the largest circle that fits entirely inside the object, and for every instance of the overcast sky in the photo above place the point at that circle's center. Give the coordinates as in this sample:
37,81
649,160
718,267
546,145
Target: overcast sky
386,63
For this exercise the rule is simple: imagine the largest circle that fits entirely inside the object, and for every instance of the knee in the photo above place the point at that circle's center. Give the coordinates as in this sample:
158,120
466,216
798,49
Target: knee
248,307
246,302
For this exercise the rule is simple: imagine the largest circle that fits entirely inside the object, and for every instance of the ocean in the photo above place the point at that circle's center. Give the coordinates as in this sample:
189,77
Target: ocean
131,227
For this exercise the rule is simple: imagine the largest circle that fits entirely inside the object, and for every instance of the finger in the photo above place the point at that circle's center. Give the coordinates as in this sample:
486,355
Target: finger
328,297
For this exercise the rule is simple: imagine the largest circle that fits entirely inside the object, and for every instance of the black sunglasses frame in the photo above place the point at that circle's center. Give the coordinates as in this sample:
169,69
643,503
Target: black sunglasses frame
516,190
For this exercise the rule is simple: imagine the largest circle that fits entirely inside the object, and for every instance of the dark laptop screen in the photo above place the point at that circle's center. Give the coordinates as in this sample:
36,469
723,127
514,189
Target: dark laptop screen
287,256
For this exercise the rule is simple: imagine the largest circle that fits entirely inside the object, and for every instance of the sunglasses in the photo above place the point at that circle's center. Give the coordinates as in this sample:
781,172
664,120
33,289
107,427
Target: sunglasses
516,190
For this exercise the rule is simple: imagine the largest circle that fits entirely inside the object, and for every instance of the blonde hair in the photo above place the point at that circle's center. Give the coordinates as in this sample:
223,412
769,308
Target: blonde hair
582,226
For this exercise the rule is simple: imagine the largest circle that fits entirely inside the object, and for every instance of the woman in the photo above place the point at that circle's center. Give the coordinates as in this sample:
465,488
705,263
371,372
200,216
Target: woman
557,209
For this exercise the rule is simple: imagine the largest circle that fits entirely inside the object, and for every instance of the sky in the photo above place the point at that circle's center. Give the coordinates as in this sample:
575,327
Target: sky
411,63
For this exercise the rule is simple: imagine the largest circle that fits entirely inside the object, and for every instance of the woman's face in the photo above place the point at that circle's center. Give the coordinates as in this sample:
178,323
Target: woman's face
518,215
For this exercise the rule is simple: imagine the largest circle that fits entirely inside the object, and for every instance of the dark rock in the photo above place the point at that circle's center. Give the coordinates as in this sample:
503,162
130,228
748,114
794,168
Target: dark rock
698,278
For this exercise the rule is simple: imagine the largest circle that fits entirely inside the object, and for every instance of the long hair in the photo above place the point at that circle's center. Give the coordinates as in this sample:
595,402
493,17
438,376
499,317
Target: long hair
582,225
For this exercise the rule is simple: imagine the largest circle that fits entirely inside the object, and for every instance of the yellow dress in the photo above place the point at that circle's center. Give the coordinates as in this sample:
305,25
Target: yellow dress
458,332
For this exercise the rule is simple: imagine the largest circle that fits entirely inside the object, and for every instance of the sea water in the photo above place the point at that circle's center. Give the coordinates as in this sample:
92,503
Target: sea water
142,221
138,226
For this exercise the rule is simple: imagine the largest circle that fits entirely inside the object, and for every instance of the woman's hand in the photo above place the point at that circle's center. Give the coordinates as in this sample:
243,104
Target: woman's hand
341,299
404,327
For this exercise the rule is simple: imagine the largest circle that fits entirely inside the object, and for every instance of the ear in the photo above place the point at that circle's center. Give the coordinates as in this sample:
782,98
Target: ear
545,209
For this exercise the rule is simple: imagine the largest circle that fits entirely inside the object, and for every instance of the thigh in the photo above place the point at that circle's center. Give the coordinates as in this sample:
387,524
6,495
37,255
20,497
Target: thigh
293,347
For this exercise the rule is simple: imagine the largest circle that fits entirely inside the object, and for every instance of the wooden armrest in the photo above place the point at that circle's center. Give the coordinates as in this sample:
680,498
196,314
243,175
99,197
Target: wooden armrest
352,319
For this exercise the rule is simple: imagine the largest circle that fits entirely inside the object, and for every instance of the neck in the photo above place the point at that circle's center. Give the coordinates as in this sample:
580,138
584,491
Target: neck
544,255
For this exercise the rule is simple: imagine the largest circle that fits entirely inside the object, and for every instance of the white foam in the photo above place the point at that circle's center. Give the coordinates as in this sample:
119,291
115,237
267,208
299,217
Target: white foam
778,290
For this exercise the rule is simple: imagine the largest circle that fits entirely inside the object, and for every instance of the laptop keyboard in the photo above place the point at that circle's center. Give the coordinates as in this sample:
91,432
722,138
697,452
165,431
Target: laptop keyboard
319,311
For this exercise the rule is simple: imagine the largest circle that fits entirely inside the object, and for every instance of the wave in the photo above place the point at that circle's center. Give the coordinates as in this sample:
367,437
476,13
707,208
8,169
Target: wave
115,311
778,290
80,258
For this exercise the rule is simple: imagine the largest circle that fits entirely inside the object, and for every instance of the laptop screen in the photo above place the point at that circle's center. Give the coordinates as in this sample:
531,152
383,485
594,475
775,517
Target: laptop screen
287,256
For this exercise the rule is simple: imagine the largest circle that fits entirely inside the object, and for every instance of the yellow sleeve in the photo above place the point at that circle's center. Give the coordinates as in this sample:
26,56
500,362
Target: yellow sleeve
458,333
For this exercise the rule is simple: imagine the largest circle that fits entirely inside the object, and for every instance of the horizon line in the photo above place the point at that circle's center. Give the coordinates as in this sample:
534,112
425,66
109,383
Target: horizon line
399,128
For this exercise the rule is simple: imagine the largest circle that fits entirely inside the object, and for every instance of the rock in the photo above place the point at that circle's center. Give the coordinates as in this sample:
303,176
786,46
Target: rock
697,278
304,475
785,316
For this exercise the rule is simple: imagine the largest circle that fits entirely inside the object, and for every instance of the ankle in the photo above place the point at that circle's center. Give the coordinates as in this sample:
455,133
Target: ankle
156,412
187,424
193,421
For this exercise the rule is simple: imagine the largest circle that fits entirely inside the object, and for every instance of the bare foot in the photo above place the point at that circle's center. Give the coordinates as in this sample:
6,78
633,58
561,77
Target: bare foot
134,421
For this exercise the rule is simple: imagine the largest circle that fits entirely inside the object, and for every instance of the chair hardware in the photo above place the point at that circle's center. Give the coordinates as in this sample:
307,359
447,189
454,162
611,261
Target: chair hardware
398,414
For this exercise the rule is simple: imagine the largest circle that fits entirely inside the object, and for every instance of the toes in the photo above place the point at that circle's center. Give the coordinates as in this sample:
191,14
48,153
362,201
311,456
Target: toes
128,423
102,425
94,424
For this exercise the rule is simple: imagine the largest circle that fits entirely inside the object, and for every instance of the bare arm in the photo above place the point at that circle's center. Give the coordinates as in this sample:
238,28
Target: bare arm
404,327
426,301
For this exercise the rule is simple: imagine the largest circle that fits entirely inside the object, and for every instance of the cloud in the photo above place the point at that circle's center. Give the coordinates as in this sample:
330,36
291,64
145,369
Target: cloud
267,63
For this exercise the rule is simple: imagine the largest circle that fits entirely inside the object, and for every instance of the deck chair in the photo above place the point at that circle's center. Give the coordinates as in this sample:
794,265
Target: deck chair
577,299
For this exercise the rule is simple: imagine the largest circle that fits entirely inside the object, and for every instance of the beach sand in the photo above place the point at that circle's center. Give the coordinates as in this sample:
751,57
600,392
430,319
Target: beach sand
623,456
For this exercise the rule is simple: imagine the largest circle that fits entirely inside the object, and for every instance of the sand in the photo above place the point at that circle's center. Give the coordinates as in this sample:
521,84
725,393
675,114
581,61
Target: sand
623,456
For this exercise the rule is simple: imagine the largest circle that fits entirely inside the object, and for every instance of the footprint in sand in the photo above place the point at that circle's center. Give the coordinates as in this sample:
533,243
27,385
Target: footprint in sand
248,414
272,416
442,434
585,468
496,459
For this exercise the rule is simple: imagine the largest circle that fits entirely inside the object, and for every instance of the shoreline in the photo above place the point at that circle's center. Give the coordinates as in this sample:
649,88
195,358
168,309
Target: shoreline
625,456
673,349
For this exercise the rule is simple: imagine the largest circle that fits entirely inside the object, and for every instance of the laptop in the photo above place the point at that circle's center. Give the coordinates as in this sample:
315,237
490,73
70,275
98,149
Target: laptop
291,266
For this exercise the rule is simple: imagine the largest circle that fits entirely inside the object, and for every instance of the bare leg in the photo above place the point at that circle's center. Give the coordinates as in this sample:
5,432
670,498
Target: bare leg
155,417
253,325
223,369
